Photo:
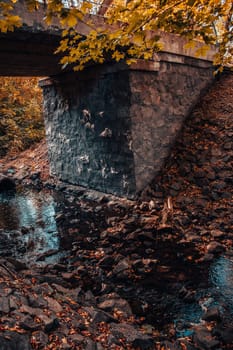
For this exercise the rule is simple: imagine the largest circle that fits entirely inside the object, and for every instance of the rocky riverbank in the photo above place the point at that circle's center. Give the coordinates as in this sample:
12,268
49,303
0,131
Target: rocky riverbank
135,270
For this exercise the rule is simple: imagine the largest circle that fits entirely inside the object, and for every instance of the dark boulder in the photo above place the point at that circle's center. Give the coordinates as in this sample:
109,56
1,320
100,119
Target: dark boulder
7,184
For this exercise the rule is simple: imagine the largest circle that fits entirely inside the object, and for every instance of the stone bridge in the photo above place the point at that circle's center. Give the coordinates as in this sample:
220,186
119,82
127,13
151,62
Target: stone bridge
110,127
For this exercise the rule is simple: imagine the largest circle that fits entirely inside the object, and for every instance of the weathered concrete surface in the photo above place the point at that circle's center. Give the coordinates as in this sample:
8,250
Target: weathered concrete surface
112,128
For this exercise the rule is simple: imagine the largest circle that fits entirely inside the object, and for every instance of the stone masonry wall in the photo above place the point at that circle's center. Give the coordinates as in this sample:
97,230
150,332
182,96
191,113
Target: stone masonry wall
111,128
88,131
160,102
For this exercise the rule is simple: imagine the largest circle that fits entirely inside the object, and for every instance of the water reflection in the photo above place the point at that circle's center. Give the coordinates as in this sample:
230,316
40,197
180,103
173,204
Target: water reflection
221,277
29,220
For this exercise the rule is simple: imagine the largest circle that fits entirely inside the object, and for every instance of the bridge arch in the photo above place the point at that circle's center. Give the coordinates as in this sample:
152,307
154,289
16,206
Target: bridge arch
110,127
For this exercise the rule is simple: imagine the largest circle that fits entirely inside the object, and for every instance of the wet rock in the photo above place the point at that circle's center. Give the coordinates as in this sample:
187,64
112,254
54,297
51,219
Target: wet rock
89,298
106,262
217,233
7,184
215,248
167,345
14,341
45,255
144,235
37,301
77,339
29,310
183,328
50,279
212,314
225,334
193,238
28,324
25,230
98,316
90,345
40,339
4,305
18,265
53,305
204,339
13,302
187,295
122,265
35,176
207,257
143,344
118,304
51,325
132,336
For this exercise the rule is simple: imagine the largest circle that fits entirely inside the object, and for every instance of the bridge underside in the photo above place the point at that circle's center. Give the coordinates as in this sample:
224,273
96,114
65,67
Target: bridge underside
24,53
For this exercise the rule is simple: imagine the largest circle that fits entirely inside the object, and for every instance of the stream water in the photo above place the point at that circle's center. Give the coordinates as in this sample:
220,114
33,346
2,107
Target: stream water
30,228
27,224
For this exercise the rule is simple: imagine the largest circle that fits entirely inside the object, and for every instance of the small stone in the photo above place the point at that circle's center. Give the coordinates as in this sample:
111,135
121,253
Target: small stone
18,265
106,133
41,338
144,206
207,257
6,183
89,298
51,326
152,205
28,324
121,266
25,230
204,339
76,338
13,340
4,305
143,344
212,314
132,335
37,301
13,302
98,316
106,262
215,248
225,334
68,276
217,233
90,345
54,305
110,305
30,310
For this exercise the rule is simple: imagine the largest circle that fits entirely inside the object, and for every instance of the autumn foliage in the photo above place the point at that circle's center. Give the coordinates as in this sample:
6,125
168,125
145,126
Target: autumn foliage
130,29
21,122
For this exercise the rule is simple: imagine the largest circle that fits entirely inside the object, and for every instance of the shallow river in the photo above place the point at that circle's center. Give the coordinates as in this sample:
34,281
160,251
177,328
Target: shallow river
27,223
29,228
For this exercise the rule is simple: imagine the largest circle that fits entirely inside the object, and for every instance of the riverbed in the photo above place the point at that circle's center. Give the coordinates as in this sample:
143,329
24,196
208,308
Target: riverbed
48,227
